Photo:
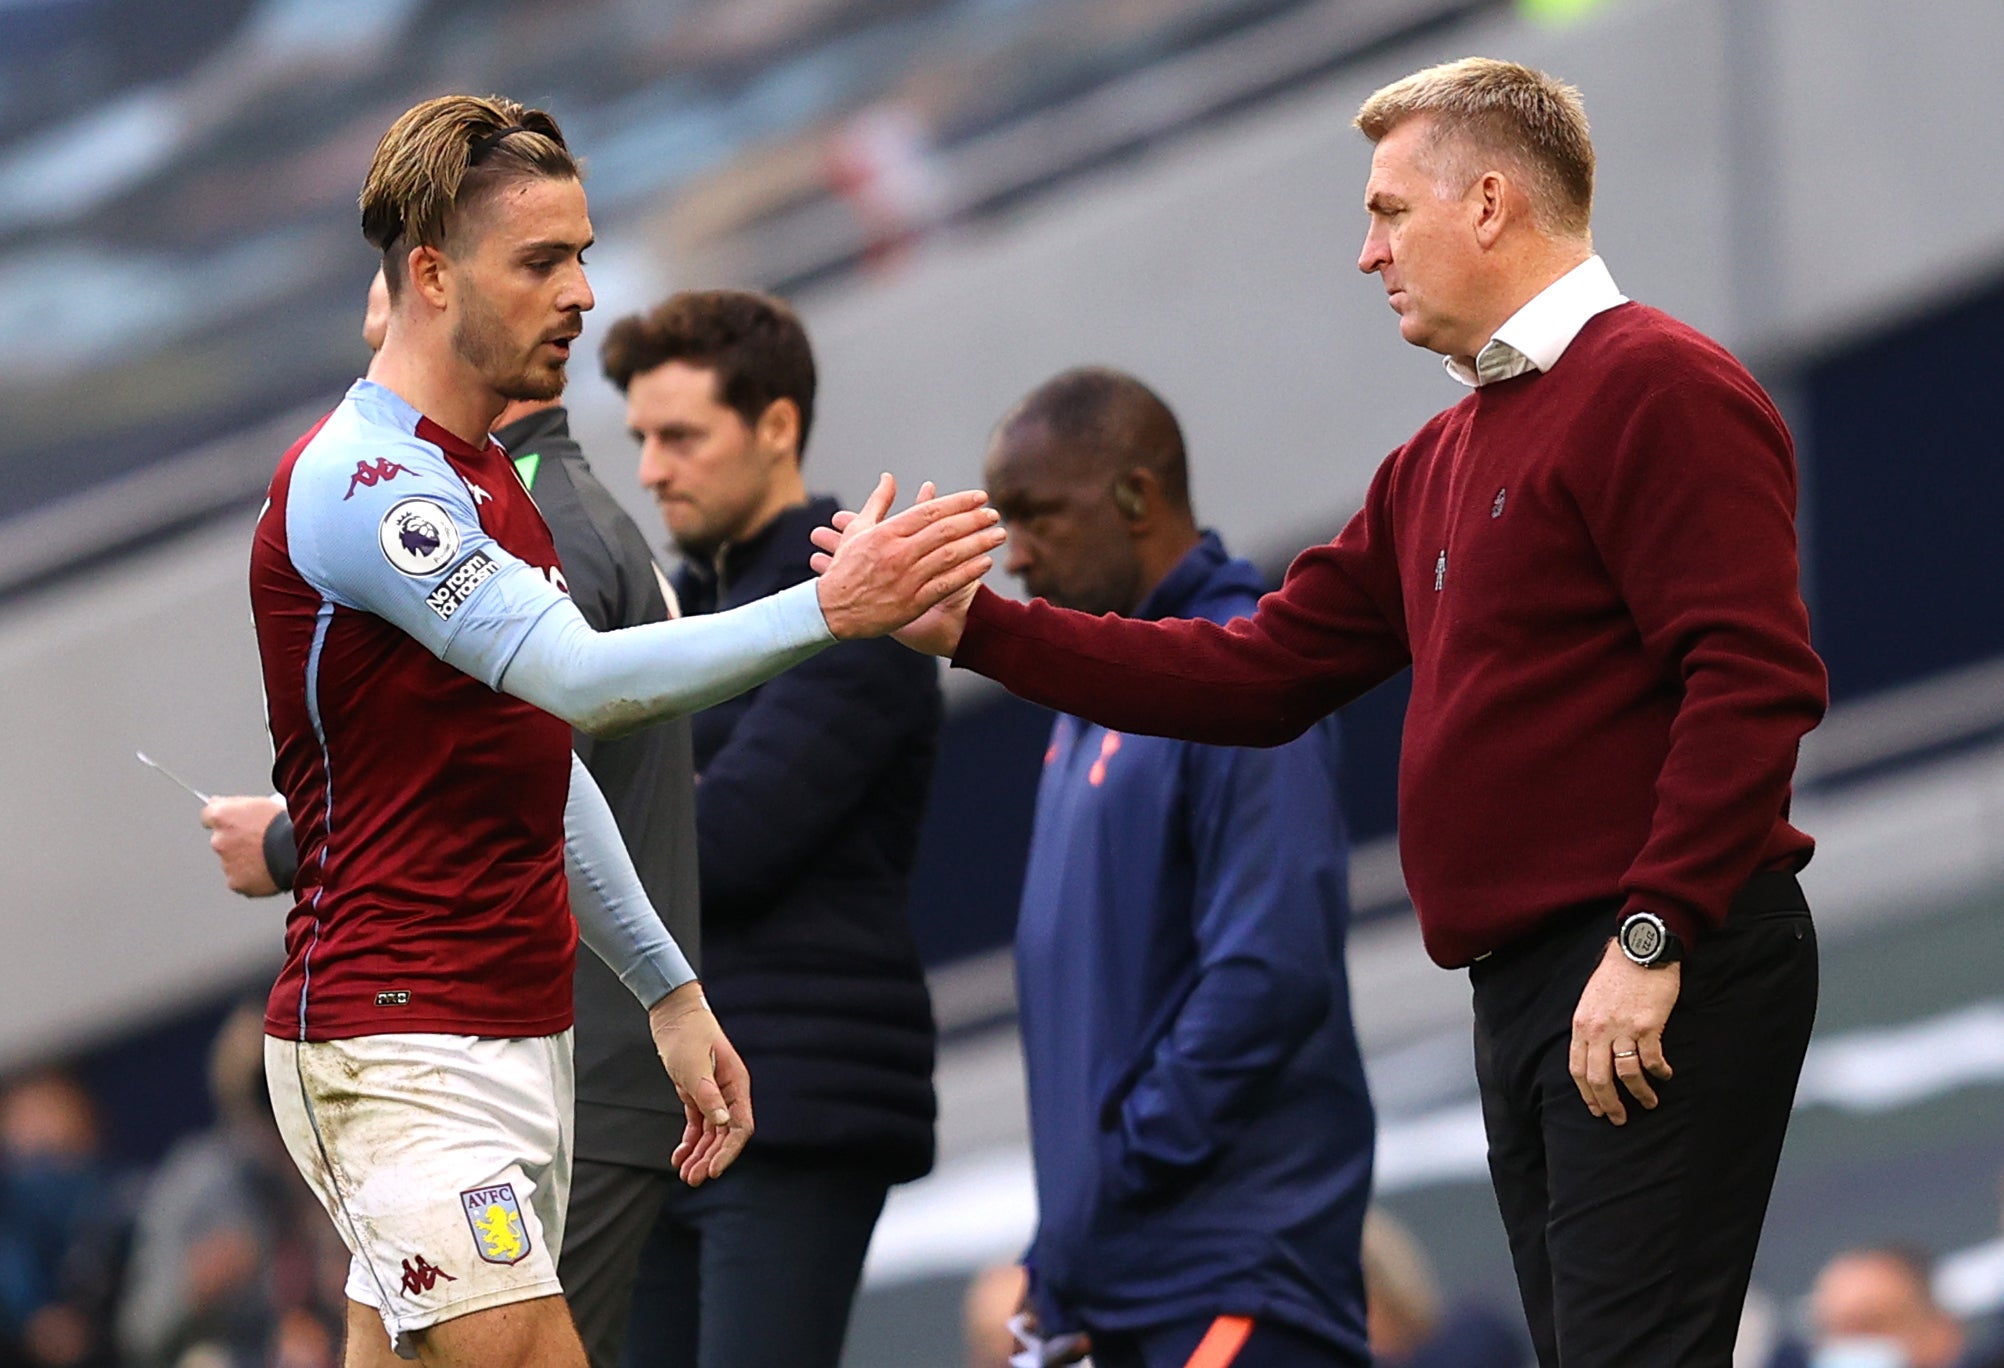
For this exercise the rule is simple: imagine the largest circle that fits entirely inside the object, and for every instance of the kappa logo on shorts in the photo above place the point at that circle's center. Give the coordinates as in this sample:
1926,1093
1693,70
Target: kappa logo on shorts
423,1276
418,537
496,1220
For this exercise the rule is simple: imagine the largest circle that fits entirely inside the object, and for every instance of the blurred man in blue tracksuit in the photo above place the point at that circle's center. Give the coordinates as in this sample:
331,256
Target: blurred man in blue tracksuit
1199,1119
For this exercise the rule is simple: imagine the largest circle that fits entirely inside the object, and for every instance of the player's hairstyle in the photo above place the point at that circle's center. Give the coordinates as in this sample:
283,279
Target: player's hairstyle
1113,417
753,342
1484,110
441,158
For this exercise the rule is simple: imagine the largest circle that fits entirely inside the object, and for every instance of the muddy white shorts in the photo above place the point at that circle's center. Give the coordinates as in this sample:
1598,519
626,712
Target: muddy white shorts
444,1161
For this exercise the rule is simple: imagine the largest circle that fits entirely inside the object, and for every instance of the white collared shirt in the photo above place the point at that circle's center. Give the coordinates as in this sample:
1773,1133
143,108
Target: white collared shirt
1537,335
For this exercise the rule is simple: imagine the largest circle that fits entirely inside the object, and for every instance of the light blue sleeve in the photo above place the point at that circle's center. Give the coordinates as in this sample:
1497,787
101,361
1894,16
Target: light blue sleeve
609,682
409,548
614,917
389,528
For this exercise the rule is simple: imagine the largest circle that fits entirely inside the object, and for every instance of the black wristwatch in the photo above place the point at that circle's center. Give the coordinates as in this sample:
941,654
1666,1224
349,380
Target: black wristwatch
1648,942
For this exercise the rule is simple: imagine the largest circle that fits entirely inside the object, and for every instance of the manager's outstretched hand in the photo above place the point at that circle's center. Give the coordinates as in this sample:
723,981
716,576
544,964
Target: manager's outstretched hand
880,573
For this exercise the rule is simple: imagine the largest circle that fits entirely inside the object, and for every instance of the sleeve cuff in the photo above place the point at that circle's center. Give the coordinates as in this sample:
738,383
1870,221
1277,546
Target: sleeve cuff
973,634
797,617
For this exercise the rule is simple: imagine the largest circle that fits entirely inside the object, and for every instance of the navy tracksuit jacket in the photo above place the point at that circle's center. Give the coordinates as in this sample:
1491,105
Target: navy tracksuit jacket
1199,1118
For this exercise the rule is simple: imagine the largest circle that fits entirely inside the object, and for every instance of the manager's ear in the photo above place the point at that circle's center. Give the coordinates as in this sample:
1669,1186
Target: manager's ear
1497,202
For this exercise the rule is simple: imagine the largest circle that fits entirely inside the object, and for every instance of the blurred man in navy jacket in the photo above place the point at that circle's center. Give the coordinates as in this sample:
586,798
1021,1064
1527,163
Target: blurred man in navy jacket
1199,1118
809,795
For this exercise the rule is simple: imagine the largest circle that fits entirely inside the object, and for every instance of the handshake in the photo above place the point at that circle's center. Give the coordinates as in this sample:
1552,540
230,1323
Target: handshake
910,574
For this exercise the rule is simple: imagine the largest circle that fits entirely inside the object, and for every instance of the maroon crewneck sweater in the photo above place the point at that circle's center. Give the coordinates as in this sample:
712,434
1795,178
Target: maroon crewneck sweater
1592,572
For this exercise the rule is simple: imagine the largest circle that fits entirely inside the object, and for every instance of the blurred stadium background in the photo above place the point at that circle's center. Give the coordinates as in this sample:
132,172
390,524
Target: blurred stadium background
963,196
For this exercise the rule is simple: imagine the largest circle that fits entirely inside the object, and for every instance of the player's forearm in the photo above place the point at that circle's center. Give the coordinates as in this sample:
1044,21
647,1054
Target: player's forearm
608,682
615,919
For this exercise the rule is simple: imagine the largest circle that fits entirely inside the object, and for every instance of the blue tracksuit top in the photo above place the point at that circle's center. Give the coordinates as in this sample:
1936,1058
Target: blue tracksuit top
1198,1114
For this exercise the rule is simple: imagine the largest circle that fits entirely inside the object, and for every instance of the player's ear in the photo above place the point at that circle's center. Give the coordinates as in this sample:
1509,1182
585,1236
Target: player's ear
427,268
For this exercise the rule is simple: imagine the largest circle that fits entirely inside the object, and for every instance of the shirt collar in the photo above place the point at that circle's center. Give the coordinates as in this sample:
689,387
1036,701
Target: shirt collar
1185,579
1537,335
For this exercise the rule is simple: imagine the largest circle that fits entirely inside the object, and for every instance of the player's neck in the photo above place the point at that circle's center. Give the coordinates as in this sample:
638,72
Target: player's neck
442,389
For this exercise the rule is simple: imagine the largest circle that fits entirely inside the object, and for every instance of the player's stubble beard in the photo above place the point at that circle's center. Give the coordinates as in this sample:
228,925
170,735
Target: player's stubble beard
482,341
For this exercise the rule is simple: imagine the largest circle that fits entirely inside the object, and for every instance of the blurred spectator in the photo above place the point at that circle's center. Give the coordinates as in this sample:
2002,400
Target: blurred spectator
1409,1328
229,1261
1875,1308
59,1224
880,161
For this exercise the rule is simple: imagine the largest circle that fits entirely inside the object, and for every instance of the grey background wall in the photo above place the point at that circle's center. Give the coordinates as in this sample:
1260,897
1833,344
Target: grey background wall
1782,173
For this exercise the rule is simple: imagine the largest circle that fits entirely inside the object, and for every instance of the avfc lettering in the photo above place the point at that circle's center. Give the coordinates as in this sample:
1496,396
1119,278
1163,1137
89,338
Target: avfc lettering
458,586
495,1218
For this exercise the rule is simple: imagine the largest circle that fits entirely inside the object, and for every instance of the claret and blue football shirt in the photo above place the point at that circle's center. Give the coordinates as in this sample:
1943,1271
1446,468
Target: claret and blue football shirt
429,806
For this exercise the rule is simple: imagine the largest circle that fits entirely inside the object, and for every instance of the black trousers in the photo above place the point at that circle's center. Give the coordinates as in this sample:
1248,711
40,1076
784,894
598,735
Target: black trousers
1633,1244
612,1212
757,1269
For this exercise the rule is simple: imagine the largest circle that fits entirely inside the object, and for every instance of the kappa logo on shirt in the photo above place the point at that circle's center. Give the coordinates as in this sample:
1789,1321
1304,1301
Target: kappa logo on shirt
369,474
1496,508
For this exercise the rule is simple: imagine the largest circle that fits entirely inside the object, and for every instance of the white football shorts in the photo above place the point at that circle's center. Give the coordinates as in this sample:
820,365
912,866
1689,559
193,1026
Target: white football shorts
444,1161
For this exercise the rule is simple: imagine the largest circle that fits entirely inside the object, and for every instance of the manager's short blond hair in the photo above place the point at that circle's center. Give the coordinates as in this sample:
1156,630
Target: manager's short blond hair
1486,112
442,157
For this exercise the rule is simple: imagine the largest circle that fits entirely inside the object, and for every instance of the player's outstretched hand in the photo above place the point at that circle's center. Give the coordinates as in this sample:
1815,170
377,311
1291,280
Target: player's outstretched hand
236,826
709,1077
879,573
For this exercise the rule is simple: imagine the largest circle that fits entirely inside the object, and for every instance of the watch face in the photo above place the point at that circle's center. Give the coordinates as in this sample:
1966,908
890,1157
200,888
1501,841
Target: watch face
1642,938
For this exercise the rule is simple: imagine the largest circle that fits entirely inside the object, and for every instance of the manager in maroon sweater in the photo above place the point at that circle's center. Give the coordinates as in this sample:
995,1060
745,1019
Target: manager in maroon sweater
1590,564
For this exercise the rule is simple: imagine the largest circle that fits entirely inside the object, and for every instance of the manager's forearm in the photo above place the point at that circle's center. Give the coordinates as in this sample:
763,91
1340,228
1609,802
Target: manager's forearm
1261,681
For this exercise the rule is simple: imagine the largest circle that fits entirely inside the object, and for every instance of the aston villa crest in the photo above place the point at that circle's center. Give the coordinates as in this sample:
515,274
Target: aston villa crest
496,1220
